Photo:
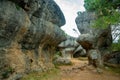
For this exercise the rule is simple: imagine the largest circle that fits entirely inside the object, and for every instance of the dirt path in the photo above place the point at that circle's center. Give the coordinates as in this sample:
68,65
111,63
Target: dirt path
81,71
78,71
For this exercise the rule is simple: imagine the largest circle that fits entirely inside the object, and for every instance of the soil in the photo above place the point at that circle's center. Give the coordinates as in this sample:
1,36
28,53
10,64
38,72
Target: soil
81,71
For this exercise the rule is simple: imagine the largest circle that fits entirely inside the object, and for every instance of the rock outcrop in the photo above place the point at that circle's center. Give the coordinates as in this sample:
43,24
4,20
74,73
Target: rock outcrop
112,59
70,48
97,38
92,38
29,33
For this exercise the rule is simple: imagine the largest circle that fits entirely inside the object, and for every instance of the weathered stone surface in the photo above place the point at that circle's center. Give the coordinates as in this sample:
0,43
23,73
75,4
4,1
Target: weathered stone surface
84,20
69,42
92,38
42,32
28,39
46,9
12,21
112,59
70,47
79,52
87,41
97,38
94,57
51,12
62,61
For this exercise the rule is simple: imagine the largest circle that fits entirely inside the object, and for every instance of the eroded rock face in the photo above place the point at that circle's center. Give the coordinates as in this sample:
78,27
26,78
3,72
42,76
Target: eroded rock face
92,38
84,20
112,59
87,41
28,36
94,58
70,48
97,38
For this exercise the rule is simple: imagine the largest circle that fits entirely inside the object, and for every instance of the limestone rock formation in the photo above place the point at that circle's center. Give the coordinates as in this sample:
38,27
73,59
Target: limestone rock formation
101,38
92,38
29,34
87,41
84,20
94,57
112,59
70,48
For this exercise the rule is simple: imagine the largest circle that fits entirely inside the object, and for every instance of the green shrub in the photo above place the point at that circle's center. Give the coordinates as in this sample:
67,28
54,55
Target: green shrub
115,47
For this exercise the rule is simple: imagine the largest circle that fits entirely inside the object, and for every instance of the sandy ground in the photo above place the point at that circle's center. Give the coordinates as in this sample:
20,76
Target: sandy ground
81,71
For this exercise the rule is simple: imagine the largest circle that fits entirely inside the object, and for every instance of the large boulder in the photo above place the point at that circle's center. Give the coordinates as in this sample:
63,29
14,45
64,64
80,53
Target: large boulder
94,58
87,41
112,59
84,20
28,36
46,9
70,48
92,38
79,52
12,21
100,38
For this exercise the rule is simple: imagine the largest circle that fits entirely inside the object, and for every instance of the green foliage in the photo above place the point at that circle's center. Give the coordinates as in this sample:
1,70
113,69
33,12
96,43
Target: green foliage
115,46
7,72
91,5
113,70
102,7
105,10
106,14
17,7
57,54
105,21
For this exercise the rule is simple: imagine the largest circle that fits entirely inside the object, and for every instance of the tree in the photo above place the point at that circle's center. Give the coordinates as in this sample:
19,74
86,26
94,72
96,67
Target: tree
108,12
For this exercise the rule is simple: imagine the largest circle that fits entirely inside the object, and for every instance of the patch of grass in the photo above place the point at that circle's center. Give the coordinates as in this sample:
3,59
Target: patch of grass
116,70
9,70
115,46
63,64
48,75
113,70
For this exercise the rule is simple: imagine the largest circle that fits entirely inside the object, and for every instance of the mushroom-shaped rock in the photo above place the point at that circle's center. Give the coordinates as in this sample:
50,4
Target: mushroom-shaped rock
68,46
102,37
29,34
79,51
71,47
86,41
69,42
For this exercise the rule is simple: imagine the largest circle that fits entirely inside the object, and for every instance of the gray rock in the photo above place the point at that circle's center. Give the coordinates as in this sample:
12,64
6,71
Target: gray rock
42,32
28,36
46,9
62,61
97,38
48,12
69,42
87,41
70,47
113,58
84,20
94,57
12,21
79,52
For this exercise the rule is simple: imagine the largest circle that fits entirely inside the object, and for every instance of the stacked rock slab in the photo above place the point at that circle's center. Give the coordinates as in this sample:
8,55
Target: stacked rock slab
70,48
29,33
92,37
